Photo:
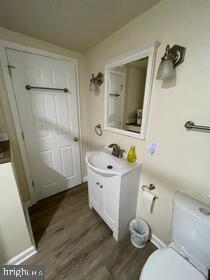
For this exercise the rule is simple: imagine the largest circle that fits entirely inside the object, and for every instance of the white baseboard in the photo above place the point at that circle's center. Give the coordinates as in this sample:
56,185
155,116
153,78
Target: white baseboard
22,256
29,224
3,136
84,179
157,242
29,204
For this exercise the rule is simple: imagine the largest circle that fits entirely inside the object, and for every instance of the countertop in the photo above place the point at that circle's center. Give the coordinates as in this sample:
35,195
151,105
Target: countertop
5,155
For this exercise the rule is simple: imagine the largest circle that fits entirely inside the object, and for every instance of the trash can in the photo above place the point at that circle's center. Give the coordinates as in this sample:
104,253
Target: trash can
140,232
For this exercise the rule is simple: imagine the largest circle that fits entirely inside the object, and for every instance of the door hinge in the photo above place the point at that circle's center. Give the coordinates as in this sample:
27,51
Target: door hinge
33,184
23,136
10,67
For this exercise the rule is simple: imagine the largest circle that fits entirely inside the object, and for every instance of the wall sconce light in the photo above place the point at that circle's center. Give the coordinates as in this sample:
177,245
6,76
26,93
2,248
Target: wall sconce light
171,59
96,81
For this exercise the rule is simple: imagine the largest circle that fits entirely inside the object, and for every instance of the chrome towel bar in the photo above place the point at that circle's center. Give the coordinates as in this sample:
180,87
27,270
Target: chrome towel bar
114,94
192,125
28,87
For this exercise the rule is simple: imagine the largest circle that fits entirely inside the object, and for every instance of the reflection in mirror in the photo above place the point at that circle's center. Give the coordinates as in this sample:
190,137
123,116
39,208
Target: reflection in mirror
125,94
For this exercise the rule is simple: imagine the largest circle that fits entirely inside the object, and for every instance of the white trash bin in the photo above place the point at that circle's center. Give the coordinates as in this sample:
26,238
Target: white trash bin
140,232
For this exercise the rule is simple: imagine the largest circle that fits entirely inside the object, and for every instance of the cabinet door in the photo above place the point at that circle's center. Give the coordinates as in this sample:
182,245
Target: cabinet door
95,186
111,194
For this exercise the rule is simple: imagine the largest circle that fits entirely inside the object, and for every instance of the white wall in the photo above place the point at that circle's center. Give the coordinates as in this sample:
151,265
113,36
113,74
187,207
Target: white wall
35,43
14,234
183,158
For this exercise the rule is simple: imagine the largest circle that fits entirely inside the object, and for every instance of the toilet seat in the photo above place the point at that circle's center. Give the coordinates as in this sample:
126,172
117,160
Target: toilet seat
168,264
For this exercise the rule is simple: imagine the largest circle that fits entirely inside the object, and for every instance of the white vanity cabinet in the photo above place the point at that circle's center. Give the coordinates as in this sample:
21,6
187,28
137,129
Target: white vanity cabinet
114,198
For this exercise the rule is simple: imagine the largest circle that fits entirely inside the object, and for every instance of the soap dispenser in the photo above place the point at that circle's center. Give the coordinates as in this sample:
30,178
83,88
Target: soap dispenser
131,154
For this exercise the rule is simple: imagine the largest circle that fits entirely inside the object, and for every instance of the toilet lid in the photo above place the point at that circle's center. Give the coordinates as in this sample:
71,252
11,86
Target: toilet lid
168,264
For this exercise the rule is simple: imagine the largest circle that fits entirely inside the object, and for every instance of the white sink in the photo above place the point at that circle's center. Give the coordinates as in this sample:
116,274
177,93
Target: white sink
113,185
104,163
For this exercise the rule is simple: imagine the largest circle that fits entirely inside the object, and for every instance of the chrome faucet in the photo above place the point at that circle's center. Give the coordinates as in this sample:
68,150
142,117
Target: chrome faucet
116,151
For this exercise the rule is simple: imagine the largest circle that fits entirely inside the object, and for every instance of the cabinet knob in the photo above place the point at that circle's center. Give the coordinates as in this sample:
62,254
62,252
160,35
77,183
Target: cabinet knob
101,186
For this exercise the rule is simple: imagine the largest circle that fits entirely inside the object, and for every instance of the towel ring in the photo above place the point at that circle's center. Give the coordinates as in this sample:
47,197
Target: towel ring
98,130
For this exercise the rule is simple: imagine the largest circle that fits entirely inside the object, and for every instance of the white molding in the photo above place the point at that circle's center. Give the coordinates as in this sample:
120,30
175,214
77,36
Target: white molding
132,55
15,46
84,179
3,136
22,256
9,87
123,75
29,203
79,113
157,242
28,221
148,50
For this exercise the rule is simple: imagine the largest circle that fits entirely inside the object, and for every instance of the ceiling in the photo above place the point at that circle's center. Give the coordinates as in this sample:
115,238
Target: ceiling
74,24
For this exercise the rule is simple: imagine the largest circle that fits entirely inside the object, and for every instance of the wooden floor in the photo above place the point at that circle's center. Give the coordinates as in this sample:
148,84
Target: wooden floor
74,243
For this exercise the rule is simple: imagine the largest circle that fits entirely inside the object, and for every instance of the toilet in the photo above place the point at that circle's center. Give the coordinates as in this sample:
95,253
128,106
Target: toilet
188,256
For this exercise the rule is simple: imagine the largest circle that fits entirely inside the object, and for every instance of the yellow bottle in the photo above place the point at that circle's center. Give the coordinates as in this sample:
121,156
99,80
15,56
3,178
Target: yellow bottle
131,154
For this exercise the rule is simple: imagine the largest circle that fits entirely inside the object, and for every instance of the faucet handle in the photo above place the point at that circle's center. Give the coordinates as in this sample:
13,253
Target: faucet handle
115,149
122,151
112,145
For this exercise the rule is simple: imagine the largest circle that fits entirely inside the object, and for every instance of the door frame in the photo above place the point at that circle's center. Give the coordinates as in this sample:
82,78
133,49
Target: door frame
123,74
13,105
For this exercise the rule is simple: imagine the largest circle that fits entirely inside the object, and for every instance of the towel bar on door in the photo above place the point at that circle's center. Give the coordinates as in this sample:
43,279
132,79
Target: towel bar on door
28,87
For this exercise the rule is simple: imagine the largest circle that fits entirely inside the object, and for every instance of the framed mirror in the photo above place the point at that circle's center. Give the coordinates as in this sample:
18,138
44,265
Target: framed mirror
128,88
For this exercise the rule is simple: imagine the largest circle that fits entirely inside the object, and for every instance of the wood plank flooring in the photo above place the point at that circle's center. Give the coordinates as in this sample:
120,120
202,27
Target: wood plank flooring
74,243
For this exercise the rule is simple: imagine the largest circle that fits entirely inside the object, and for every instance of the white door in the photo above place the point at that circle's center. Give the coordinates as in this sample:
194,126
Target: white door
49,120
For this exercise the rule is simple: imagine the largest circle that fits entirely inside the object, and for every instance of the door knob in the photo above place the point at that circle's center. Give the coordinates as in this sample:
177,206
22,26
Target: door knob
75,139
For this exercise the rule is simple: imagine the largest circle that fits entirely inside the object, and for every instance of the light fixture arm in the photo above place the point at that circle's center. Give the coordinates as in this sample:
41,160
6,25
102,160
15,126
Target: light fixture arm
92,78
100,78
166,54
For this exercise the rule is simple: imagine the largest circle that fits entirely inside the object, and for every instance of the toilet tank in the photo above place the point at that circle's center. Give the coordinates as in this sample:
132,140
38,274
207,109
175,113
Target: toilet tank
191,228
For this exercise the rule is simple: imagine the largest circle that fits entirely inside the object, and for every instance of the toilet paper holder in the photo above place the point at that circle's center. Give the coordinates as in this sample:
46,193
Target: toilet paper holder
149,188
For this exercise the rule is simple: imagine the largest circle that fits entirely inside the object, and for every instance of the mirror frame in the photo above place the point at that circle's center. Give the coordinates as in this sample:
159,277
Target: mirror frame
150,51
